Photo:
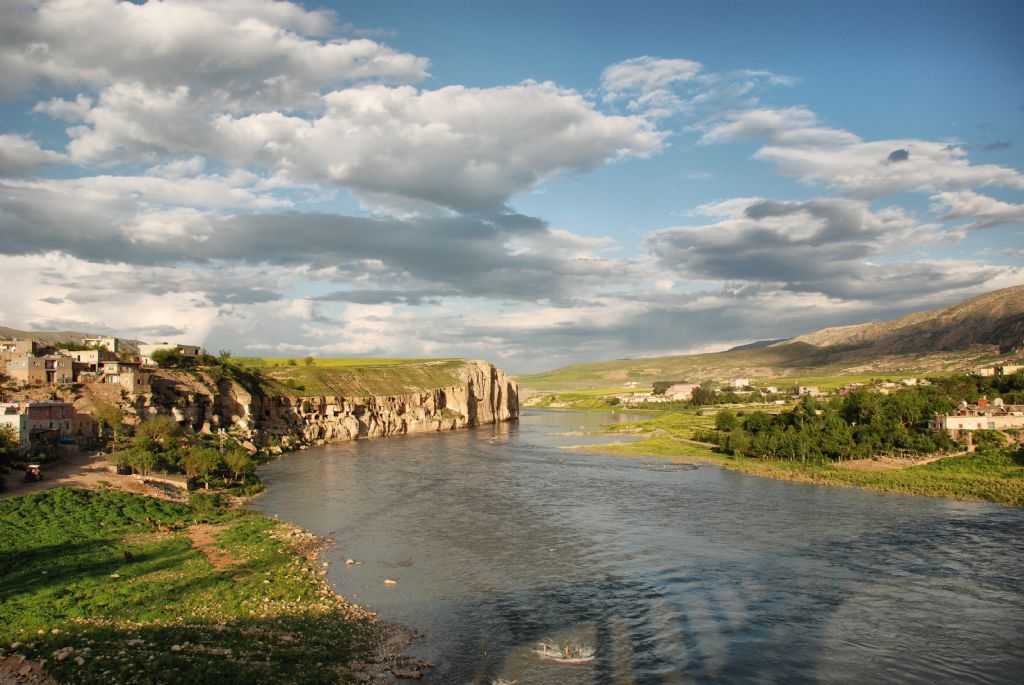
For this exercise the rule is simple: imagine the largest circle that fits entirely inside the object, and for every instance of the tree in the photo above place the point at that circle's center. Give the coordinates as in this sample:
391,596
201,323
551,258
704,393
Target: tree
240,463
161,429
726,420
224,355
9,443
202,462
167,358
704,394
109,415
308,361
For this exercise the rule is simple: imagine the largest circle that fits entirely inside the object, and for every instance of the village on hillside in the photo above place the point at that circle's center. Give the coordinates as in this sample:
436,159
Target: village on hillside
38,404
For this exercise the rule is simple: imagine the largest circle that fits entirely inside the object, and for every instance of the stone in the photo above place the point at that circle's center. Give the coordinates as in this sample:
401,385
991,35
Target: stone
388,581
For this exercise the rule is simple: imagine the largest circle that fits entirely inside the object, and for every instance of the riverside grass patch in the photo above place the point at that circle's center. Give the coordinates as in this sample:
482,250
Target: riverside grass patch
995,475
90,586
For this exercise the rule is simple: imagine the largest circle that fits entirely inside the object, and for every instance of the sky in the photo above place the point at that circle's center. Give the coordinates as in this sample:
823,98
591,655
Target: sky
533,183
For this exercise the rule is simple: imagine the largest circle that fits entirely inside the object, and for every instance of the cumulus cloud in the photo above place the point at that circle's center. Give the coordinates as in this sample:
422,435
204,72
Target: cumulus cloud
468,149
803,148
20,155
987,212
253,53
836,247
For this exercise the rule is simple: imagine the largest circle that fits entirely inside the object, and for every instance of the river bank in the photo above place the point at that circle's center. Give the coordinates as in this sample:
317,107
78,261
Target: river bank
992,475
112,587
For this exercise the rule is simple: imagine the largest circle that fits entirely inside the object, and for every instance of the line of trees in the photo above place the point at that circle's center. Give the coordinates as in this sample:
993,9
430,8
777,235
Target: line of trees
855,426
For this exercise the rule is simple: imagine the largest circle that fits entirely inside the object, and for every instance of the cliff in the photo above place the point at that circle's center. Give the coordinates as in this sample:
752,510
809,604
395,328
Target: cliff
482,395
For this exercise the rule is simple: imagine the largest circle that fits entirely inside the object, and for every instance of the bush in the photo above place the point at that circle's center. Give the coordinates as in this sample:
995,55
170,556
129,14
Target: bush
205,502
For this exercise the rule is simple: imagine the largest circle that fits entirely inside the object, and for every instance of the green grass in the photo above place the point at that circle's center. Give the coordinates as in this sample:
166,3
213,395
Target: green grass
994,475
679,424
352,377
60,550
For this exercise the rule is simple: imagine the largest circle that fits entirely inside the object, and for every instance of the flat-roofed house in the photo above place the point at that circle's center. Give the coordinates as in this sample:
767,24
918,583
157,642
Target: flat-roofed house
16,349
972,417
48,369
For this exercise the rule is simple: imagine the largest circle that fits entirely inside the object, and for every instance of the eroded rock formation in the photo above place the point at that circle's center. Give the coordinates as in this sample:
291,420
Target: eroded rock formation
485,395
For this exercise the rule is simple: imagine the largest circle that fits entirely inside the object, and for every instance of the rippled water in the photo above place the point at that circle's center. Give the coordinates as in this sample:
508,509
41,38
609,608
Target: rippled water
499,539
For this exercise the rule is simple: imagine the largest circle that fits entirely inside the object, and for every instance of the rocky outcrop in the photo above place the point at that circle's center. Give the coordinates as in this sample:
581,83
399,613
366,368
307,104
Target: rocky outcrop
485,395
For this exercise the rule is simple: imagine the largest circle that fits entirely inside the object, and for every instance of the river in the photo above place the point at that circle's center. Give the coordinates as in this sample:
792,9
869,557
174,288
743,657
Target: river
499,539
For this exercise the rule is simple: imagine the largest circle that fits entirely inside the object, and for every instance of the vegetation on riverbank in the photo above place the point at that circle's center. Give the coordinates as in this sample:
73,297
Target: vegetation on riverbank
108,587
815,441
993,474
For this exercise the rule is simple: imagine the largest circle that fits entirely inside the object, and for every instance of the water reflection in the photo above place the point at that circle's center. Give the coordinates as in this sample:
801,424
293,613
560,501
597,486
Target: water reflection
500,540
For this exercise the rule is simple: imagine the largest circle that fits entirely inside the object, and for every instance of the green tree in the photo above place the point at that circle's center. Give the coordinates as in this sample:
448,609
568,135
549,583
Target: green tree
308,361
202,462
9,443
109,416
162,429
240,463
168,358
726,420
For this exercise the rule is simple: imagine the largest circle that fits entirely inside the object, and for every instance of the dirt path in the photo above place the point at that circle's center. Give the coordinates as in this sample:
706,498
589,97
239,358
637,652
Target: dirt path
891,463
202,536
85,470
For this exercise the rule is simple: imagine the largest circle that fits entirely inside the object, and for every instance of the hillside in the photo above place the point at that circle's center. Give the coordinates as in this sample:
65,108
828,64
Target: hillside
977,331
54,337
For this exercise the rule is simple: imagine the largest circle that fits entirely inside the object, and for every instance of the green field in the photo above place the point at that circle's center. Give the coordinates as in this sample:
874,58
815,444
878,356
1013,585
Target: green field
351,377
996,475
265,617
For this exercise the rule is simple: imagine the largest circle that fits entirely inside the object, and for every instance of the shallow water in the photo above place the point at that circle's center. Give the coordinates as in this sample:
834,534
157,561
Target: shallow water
499,540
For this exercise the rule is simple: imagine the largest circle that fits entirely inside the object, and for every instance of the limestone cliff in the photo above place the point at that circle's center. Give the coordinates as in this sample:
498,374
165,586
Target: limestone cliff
484,395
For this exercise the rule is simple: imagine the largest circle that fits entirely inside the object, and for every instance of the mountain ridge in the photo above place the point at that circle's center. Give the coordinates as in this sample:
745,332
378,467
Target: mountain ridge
979,330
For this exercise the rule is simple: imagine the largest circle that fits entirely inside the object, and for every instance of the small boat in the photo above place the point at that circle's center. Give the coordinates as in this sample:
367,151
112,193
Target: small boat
565,654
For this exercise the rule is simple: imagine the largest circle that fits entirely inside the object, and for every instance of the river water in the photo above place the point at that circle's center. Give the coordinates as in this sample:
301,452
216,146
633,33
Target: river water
499,539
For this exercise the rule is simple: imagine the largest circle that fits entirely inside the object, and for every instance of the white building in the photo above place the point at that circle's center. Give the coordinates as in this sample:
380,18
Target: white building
981,416
739,383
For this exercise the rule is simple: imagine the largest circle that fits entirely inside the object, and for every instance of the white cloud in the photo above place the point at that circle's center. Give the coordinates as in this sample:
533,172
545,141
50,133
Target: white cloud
986,211
469,149
802,148
20,155
254,53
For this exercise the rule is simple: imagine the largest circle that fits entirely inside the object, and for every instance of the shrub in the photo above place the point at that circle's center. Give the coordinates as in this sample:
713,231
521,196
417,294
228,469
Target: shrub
205,502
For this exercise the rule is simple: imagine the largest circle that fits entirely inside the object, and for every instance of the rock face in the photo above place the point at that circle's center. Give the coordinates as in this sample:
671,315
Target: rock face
485,396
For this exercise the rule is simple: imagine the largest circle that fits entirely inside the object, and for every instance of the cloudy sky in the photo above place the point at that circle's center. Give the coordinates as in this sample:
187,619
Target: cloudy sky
534,183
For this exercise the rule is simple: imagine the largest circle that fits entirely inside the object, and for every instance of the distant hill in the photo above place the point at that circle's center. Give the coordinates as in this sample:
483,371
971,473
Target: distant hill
54,337
756,345
977,331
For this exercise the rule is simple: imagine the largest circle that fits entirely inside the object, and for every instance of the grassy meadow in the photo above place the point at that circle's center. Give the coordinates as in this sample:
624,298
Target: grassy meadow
350,377
244,606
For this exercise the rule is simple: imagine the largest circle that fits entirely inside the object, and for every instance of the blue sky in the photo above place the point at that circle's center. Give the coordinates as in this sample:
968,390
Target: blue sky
535,183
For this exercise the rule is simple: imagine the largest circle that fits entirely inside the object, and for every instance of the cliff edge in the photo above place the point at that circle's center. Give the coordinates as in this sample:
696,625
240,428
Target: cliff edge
479,394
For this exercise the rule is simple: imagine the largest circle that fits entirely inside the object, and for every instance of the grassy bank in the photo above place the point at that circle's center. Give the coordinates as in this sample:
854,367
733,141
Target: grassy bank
995,475
91,586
